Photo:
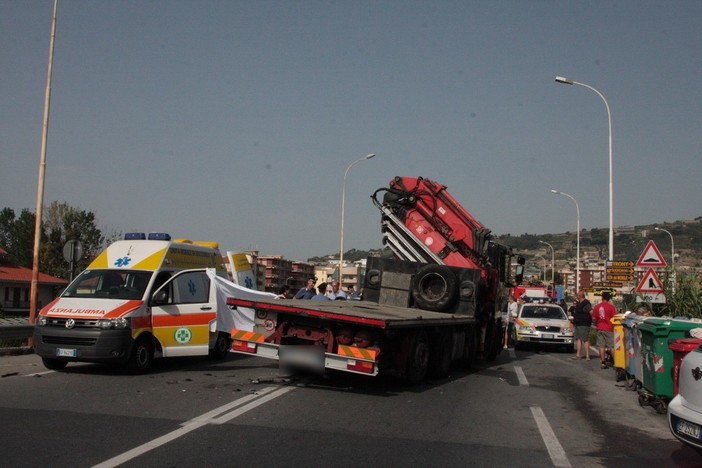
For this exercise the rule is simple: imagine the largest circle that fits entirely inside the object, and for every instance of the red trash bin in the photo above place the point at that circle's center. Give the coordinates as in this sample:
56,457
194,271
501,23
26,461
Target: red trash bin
680,347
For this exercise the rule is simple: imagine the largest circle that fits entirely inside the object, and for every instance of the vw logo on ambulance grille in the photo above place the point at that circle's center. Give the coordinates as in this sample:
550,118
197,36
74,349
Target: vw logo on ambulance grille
70,323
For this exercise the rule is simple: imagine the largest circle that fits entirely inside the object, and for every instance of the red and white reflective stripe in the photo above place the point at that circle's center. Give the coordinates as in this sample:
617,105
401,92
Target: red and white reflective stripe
658,363
617,341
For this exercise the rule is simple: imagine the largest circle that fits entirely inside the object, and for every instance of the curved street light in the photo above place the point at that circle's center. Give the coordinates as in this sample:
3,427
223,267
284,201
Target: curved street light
564,80
672,255
343,203
552,261
577,237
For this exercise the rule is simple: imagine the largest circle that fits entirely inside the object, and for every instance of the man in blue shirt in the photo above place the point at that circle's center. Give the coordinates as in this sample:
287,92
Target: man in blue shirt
307,292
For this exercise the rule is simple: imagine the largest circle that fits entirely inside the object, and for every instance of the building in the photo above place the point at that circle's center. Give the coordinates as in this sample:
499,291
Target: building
16,284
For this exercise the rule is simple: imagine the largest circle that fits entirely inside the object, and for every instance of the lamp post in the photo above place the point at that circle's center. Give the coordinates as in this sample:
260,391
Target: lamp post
343,203
564,80
543,275
552,261
577,237
672,254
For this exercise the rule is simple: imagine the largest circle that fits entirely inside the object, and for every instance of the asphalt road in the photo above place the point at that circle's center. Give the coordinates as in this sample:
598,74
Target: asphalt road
525,409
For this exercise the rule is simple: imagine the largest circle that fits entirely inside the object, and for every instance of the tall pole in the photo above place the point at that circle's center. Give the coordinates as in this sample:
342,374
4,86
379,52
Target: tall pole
564,80
343,204
577,237
553,258
543,275
42,166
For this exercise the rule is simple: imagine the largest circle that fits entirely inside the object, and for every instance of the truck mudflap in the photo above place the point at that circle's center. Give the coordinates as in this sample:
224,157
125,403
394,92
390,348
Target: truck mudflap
313,358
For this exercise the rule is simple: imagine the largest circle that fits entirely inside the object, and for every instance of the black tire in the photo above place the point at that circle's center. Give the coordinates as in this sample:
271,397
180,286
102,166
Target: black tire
435,288
221,347
493,340
54,364
440,355
142,357
417,357
471,347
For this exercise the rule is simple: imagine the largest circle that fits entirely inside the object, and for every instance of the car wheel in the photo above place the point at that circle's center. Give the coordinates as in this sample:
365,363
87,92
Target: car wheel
142,357
221,346
54,364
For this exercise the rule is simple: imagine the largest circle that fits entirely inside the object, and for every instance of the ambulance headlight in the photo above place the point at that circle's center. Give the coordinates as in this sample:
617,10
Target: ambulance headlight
41,321
113,324
525,328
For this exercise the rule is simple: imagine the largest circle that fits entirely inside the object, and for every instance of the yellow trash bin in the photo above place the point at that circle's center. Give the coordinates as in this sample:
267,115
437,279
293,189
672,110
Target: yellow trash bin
619,353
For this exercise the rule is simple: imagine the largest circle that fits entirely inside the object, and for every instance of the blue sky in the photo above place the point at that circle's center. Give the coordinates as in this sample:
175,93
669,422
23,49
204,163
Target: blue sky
234,121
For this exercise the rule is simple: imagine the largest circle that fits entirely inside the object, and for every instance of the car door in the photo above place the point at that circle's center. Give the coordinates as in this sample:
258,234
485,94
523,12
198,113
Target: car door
181,312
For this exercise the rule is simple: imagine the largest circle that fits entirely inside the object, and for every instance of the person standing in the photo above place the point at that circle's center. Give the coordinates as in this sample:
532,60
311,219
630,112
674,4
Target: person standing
582,320
322,294
509,318
602,318
307,292
335,292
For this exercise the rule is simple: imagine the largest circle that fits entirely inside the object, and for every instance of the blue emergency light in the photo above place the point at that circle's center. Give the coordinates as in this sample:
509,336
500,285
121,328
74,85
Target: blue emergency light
162,236
135,236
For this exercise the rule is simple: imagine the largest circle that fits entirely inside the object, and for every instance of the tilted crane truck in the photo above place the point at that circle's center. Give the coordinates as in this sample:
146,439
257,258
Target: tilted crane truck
434,304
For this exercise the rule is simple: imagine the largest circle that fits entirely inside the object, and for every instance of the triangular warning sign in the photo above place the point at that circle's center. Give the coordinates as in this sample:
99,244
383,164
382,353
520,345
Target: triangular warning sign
651,256
650,283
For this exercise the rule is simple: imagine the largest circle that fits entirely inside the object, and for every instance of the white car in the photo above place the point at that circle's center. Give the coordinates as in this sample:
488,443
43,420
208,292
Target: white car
685,409
543,324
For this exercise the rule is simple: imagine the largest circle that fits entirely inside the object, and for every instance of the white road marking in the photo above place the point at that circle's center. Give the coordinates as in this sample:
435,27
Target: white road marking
521,376
555,450
216,416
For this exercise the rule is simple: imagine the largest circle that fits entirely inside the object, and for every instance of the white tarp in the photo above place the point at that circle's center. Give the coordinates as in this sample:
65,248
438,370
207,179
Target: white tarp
241,318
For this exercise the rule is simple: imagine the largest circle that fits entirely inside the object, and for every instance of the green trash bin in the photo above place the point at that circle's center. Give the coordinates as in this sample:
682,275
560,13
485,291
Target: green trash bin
658,359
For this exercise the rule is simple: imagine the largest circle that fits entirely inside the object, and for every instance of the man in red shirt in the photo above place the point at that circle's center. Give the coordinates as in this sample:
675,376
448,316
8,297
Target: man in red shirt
602,315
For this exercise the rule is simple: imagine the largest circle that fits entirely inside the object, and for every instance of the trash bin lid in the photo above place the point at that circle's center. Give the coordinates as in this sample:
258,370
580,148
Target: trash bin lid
684,344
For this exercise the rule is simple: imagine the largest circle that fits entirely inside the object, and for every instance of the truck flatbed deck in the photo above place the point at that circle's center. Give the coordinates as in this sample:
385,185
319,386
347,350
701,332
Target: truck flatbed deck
357,312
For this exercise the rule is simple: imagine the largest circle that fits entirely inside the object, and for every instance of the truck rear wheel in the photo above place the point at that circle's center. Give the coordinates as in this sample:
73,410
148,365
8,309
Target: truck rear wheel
440,354
435,288
54,364
417,357
142,357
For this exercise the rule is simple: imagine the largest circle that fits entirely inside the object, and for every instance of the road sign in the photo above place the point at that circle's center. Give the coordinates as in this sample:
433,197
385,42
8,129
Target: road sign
651,256
650,283
626,264
620,277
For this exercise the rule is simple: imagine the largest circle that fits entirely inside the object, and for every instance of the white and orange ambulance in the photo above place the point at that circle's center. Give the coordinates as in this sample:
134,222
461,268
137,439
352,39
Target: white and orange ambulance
142,297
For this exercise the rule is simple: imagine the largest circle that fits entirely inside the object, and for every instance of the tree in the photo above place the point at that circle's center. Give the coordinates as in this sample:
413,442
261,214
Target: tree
61,223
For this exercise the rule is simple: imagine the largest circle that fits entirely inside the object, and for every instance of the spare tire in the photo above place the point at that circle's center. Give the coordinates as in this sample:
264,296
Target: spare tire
435,288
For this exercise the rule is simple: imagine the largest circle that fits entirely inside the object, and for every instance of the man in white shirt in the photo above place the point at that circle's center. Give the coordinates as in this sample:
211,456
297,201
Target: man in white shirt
335,292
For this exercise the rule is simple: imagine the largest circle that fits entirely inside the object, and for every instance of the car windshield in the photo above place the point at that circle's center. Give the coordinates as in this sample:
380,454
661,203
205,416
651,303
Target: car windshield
542,312
109,284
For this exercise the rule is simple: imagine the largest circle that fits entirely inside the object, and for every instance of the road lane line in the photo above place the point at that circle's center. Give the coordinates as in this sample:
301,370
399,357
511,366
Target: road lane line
521,376
555,450
246,403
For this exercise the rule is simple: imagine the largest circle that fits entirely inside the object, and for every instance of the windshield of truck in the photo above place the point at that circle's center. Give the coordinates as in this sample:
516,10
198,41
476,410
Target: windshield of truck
109,284
542,312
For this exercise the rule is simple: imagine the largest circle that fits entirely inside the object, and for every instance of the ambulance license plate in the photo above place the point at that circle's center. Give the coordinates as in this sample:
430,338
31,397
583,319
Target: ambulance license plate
66,352
688,429
547,336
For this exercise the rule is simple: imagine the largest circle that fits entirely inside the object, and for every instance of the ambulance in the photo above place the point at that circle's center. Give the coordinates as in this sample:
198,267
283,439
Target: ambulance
143,297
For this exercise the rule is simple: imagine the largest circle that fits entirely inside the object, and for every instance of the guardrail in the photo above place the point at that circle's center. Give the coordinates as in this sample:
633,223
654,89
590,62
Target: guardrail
15,328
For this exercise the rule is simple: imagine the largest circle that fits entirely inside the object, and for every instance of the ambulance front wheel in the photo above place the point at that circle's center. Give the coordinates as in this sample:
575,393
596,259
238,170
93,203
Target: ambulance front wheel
54,364
142,357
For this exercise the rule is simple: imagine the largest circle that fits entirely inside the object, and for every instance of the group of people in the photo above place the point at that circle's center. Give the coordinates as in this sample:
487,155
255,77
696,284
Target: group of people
584,315
323,292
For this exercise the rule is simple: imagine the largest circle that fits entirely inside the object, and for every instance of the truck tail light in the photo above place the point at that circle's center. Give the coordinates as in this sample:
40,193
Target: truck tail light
360,366
244,346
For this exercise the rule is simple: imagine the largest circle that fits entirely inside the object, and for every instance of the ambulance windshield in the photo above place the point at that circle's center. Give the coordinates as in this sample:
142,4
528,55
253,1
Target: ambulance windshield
109,284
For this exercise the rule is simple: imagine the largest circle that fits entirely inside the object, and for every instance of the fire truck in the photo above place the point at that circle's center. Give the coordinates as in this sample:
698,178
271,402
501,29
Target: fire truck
434,304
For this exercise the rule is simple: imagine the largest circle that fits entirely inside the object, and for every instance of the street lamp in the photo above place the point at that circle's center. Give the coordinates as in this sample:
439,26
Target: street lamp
672,255
577,237
543,275
564,80
672,247
552,261
343,202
